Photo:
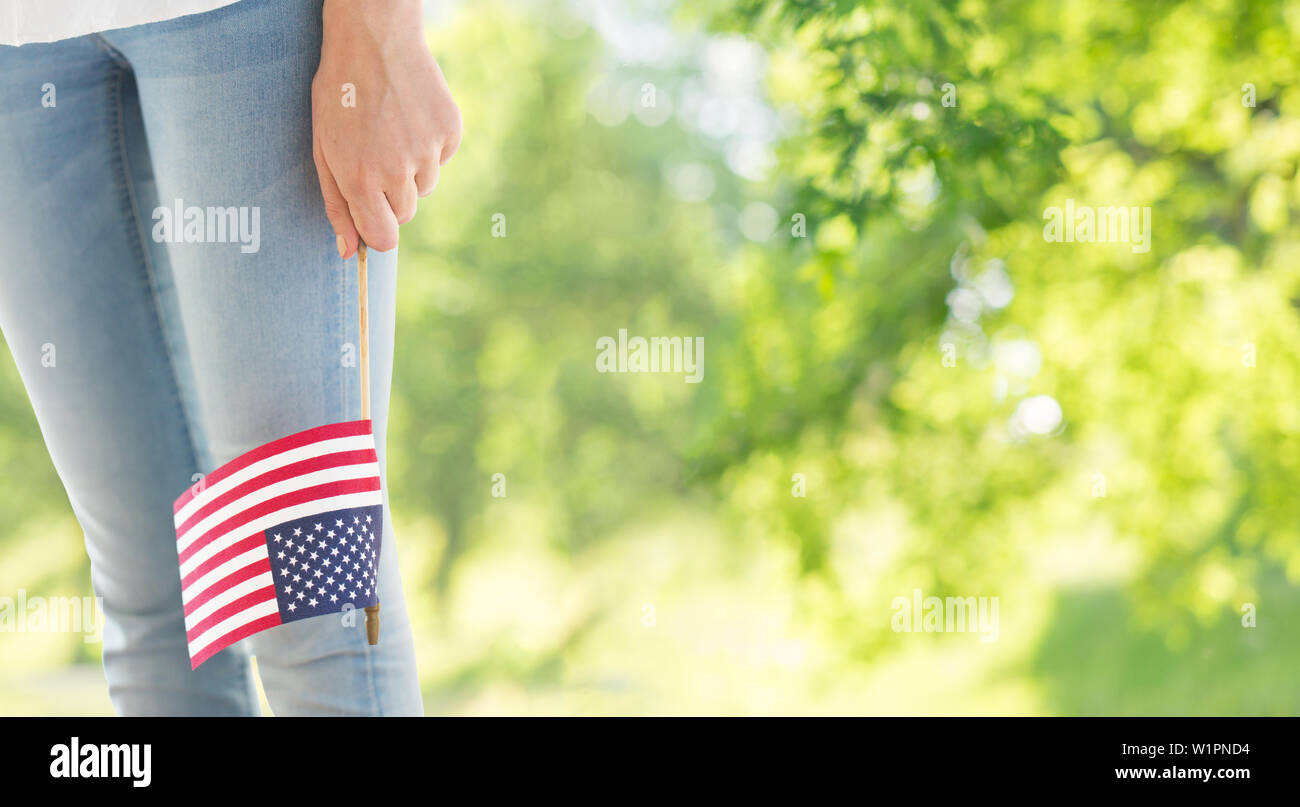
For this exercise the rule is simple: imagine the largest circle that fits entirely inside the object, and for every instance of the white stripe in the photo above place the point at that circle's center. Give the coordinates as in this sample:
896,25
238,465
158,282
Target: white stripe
235,622
257,525
262,494
228,596
254,555
318,449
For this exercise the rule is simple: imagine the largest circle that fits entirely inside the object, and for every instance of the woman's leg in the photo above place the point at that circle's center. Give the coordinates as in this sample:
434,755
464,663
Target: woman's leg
270,313
85,307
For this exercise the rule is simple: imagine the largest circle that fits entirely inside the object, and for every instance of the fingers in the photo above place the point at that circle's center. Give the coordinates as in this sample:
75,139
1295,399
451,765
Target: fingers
453,142
426,179
375,219
367,205
336,207
402,199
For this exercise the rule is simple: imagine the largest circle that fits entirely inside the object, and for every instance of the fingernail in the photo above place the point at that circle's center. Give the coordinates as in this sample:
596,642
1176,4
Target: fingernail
343,245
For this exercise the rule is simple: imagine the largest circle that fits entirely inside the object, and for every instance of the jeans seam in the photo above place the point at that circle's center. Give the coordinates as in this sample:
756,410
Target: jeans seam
145,263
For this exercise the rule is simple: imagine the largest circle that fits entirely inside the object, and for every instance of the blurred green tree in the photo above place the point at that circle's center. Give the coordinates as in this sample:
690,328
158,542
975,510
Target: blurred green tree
933,137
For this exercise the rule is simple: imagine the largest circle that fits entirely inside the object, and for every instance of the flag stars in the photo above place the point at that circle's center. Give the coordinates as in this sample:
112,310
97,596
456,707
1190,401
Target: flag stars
325,560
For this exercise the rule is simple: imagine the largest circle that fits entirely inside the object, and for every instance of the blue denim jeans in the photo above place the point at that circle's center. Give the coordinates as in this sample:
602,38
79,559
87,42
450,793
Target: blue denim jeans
154,353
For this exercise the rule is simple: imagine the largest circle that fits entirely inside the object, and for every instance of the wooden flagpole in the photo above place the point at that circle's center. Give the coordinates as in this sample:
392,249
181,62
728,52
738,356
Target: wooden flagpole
363,304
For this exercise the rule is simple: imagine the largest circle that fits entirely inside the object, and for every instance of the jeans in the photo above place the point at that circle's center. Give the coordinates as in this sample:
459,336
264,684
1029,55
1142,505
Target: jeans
152,354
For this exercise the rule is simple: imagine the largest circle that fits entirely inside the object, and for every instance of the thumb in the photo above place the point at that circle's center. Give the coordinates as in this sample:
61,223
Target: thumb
336,207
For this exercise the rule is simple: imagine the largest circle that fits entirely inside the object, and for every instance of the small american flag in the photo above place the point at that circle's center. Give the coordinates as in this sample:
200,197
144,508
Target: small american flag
287,531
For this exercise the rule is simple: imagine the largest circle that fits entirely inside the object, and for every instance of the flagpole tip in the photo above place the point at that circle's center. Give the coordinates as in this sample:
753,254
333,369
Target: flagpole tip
372,624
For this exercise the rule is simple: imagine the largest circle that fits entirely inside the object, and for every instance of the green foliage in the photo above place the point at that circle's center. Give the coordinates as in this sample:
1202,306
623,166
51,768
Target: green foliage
1133,104
825,352
649,555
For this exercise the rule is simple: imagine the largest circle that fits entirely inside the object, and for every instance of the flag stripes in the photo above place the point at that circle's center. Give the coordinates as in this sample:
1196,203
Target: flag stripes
228,590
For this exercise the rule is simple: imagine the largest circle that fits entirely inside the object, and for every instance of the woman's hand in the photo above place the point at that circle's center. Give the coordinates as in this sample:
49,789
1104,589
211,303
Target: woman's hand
382,119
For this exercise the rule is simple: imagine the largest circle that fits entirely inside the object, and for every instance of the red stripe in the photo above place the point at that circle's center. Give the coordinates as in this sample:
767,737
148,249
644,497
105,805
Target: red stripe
230,609
269,621
309,465
309,494
234,550
327,432
234,578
